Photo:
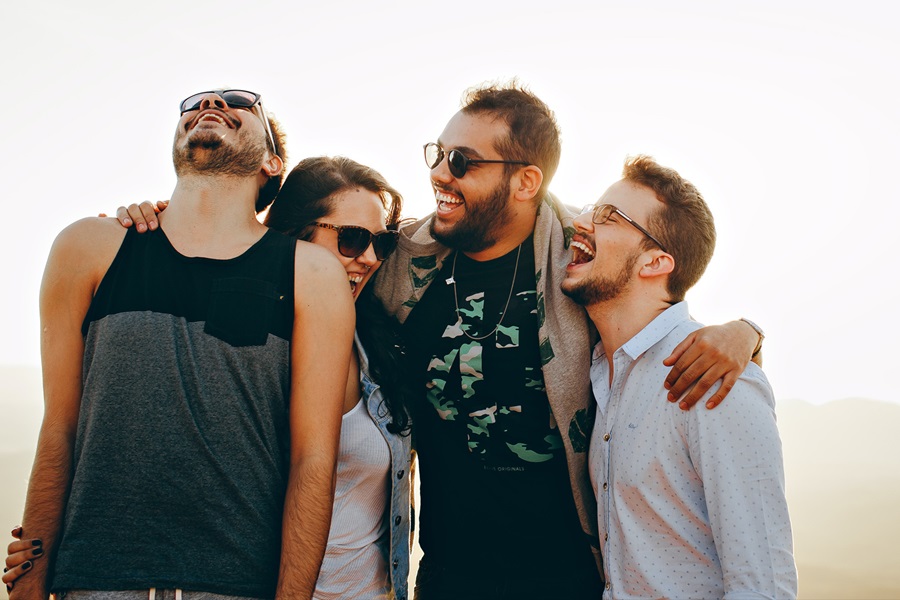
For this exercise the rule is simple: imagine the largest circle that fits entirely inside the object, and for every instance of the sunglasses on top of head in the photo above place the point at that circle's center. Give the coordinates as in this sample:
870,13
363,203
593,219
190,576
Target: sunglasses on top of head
234,99
457,161
353,240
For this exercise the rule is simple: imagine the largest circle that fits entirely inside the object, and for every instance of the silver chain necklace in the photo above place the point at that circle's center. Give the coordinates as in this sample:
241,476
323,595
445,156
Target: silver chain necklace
452,281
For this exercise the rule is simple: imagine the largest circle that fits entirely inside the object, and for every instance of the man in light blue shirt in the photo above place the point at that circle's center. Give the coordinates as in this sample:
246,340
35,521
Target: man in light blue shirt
691,504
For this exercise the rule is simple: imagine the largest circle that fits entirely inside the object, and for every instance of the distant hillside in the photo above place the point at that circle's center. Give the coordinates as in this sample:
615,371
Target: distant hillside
842,461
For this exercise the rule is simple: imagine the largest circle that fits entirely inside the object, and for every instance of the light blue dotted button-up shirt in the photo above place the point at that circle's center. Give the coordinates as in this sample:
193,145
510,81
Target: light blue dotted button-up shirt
691,503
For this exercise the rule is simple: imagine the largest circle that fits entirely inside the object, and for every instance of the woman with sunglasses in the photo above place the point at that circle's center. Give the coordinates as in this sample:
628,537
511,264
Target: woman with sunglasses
351,210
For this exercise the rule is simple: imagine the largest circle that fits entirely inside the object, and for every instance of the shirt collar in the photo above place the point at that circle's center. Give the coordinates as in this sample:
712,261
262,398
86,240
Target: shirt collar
656,330
652,333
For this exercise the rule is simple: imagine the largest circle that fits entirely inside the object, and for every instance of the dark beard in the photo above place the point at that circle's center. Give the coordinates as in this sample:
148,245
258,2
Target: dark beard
206,154
594,290
478,229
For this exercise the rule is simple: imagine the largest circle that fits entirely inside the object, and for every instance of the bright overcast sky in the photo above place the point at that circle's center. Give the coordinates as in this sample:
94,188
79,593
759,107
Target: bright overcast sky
784,114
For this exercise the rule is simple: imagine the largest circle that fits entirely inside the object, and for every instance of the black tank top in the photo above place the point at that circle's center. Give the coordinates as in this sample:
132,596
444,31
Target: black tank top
182,448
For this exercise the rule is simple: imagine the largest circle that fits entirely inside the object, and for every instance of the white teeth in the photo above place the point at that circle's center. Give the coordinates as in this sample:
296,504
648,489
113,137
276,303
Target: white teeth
355,281
441,197
213,117
584,248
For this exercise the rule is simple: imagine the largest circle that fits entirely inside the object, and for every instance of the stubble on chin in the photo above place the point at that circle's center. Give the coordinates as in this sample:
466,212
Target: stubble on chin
206,153
596,289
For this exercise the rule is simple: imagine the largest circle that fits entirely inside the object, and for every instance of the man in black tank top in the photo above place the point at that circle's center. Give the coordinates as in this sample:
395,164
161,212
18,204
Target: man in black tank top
226,435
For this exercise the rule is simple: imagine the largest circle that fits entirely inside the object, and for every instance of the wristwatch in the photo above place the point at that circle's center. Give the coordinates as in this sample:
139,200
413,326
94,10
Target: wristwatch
758,330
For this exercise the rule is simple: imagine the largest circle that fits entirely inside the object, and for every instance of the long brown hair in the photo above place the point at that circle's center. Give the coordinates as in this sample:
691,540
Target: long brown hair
310,193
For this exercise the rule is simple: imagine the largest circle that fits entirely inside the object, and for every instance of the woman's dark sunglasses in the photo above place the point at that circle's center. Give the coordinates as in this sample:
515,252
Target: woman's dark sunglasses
457,161
234,99
354,240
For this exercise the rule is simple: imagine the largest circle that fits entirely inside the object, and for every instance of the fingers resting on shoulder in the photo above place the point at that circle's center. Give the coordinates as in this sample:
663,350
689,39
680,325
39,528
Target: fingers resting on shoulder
143,216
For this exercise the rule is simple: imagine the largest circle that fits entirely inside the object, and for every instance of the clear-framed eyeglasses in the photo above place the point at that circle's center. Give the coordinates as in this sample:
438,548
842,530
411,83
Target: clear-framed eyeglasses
600,214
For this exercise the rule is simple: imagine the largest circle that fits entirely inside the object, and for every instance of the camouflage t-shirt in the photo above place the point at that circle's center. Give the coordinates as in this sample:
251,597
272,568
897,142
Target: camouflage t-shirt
494,485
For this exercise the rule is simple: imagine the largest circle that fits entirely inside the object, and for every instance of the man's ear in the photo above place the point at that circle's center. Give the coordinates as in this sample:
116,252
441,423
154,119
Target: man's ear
527,182
273,165
659,263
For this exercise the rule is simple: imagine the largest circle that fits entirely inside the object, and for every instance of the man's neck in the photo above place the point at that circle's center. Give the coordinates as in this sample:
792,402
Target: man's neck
213,216
509,239
620,319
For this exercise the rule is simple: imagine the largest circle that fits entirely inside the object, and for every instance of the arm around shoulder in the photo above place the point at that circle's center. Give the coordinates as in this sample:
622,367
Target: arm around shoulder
709,355
324,321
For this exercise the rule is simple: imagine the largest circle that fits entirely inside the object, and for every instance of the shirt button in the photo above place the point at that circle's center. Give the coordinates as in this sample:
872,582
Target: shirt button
606,438
604,486
396,563
397,520
608,585
605,537
400,474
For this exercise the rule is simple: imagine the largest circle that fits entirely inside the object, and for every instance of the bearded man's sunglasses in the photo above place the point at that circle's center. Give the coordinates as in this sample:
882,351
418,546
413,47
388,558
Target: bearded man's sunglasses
234,99
354,240
457,161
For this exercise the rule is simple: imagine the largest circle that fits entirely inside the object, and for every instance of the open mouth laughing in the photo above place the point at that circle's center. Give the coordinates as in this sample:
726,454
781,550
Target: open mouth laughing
213,118
355,280
446,202
582,251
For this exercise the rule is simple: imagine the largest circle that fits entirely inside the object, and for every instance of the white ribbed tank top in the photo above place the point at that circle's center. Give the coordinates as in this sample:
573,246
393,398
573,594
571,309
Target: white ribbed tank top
355,564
